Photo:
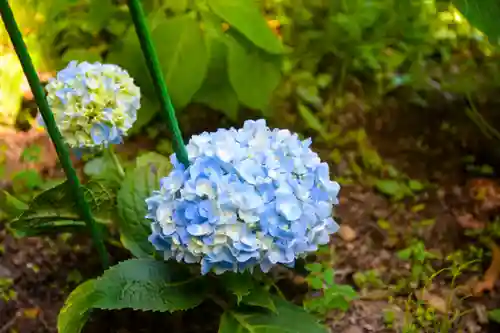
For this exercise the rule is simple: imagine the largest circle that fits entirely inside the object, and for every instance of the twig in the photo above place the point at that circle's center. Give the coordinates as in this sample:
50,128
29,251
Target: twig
9,324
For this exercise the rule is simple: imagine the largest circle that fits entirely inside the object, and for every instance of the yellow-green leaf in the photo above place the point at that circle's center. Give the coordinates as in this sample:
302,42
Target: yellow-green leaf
244,16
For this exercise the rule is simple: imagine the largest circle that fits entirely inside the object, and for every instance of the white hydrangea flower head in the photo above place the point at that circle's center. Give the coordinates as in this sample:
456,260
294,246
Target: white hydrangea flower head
94,105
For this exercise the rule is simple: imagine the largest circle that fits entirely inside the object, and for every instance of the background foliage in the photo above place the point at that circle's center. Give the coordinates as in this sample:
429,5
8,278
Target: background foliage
225,54
298,63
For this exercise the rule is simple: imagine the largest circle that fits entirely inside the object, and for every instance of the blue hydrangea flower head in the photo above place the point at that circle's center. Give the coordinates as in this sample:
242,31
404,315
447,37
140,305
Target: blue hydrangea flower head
250,197
94,105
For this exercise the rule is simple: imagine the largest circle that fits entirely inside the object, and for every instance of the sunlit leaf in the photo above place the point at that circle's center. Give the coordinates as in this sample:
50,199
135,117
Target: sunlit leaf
216,91
244,15
253,74
483,14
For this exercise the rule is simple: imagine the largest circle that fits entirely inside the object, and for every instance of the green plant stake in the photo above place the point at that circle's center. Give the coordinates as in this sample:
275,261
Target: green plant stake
55,135
154,68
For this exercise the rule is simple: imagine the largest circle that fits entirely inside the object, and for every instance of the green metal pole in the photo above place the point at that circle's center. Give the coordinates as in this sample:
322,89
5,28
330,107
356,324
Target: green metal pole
55,135
154,68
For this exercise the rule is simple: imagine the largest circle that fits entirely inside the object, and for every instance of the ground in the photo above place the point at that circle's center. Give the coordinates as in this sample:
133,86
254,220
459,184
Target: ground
405,186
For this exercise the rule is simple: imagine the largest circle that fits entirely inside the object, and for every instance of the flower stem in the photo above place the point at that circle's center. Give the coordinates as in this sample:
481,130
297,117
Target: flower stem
52,129
116,162
153,64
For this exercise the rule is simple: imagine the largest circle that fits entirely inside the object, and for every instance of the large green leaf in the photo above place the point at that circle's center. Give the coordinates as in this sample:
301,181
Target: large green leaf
55,210
238,284
253,74
288,318
140,284
244,16
103,168
136,188
183,56
75,312
261,297
216,91
483,14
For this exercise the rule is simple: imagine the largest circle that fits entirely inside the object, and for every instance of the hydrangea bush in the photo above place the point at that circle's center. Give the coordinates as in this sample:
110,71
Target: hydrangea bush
250,197
247,200
94,105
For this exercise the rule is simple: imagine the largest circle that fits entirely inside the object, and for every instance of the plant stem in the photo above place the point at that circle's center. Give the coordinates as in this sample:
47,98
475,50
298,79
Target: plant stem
116,162
154,68
55,135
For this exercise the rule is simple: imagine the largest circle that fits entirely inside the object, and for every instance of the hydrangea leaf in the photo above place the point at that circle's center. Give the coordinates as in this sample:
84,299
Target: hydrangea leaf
75,312
132,209
260,297
103,169
55,210
483,14
150,285
180,45
288,318
245,16
253,74
140,284
216,91
240,284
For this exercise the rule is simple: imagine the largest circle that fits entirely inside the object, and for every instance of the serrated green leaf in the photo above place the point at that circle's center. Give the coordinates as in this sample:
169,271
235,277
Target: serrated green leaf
391,187
180,46
254,75
152,159
238,284
104,169
329,276
140,284
405,254
260,297
150,285
244,15
483,14
288,318
311,120
132,209
216,91
55,210
314,267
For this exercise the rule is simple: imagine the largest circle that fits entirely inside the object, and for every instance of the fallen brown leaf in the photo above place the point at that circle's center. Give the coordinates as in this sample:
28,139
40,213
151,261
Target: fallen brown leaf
492,273
434,301
467,221
486,193
347,233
